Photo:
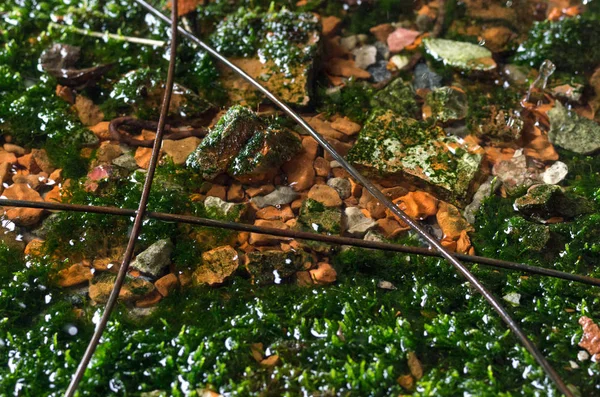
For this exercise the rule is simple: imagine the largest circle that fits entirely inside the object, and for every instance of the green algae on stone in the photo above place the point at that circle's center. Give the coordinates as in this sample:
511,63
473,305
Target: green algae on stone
414,153
315,217
446,104
573,132
397,96
243,146
546,201
461,55
264,152
273,265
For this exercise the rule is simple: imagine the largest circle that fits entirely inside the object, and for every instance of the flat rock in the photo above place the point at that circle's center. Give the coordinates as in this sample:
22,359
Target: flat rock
555,173
133,288
219,208
217,265
357,224
425,78
461,55
281,196
154,258
573,132
547,201
342,186
180,149
401,38
409,152
22,216
316,217
325,195
271,266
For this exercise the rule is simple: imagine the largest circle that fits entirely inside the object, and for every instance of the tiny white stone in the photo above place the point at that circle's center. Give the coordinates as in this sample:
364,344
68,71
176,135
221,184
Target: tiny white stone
349,43
386,285
555,173
513,297
573,364
365,56
582,355
400,61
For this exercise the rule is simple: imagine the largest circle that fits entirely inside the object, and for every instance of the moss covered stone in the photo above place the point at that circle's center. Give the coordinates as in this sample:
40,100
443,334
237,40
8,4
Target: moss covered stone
270,266
446,104
414,153
573,132
397,96
243,146
460,55
315,217
278,48
546,201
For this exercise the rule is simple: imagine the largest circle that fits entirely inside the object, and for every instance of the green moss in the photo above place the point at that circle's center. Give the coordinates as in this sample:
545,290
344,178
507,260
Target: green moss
315,217
569,43
397,96
353,100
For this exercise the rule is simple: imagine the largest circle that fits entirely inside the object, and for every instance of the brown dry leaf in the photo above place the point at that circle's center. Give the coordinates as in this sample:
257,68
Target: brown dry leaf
257,351
416,369
346,68
539,147
270,361
590,340
406,381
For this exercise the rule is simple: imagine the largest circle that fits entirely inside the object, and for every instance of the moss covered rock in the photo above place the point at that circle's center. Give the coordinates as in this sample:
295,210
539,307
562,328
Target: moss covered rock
397,96
460,55
546,201
316,217
413,153
273,265
243,146
573,132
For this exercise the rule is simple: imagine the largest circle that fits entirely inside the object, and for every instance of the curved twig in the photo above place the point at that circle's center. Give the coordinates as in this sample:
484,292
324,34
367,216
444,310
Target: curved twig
175,134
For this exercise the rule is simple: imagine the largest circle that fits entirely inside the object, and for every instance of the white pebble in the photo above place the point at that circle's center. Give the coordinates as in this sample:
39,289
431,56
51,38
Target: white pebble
582,355
513,297
400,61
555,173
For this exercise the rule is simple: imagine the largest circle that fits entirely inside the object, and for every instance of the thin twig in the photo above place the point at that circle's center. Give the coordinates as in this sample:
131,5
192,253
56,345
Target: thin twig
106,35
139,216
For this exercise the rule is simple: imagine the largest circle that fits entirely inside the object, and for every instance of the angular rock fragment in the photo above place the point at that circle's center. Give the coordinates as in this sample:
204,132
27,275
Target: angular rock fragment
217,265
244,147
281,196
461,55
547,201
357,224
409,153
154,258
22,216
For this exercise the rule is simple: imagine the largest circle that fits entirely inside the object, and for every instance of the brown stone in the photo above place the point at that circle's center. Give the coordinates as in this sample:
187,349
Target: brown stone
390,227
235,193
341,147
321,166
346,68
265,239
325,195
497,37
185,278
346,126
26,161
270,361
106,264
22,216
180,149
15,149
142,157
323,274
107,152
406,381
418,205
330,25
166,284
324,127
42,160
7,157
304,279
101,130
76,274
65,93
299,170
590,340
376,209
416,369
5,172
56,176
271,213
89,113
149,300
34,247
260,191
381,32
54,195
217,265
451,221
219,191
332,48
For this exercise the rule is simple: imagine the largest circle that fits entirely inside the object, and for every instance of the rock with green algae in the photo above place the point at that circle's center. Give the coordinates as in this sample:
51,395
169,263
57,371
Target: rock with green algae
546,201
243,146
530,236
266,267
278,48
460,55
133,289
413,153
573,132
217,265
397,96
446,104
315,217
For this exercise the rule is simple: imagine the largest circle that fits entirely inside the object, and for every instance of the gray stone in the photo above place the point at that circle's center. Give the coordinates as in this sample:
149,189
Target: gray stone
222,207
357,224
485,190
458,54
374,236
280,196
573,132
513,298
379,72
154,258
365,56
515,74
425,78
126,161
383,51
514,173
555,173
342,186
